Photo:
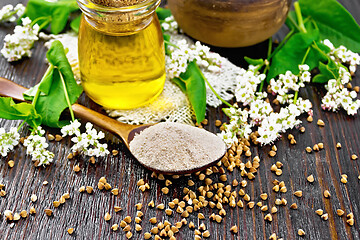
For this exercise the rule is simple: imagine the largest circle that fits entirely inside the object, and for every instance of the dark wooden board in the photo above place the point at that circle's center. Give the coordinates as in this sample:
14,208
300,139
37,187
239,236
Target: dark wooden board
86,212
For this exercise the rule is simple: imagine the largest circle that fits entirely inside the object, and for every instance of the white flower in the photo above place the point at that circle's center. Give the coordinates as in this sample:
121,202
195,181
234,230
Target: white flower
259,109
353,94
20,43
180,57
353,107
170,25
36,147
304,67
269,130
228,137
305,76
8,140
339,97
304,105
9,14
26,21
328,44
276,123
247,82
290,82
238,127
343,55
88,142
71,129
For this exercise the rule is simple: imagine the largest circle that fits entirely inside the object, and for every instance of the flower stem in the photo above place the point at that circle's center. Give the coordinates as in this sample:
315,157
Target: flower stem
50,68
295,24
263,81
282,43
66,96
306,55
269,48
171,44
46,22
296,96
302,62
266,63
22,124
217,95
299,17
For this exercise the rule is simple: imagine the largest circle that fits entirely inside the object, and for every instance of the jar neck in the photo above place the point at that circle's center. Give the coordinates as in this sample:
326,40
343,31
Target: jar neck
124,20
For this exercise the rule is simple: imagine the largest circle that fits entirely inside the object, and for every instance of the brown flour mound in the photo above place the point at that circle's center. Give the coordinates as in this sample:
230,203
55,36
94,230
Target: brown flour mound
176,147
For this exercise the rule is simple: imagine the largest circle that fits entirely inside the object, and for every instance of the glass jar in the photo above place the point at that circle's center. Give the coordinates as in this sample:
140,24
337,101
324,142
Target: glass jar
121,54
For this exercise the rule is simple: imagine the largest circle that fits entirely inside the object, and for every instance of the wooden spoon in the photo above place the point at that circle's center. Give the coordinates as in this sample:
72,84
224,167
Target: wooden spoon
125,131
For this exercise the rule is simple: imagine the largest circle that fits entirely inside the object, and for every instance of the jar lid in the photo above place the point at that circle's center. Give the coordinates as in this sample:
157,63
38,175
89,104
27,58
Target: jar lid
119,17
117,3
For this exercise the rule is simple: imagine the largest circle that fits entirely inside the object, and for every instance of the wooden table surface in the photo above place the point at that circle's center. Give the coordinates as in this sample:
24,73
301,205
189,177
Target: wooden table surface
85,212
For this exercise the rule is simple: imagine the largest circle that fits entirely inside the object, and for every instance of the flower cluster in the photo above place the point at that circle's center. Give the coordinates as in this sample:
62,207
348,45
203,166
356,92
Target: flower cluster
260,115
9,13
290,82
72,129
259,110
340,97
271,126
344,55
36,147
18,45
8,140
184,53
170,25
88,142
238,126
276,123
247,82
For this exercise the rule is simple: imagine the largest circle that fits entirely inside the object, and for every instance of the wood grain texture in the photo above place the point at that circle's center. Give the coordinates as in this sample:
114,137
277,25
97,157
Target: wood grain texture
85,212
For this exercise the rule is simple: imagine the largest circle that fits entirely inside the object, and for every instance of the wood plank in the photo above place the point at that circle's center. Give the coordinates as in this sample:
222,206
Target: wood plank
85,212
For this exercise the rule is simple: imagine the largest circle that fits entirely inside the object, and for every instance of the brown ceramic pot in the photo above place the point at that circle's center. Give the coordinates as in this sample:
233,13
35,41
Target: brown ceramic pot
230,23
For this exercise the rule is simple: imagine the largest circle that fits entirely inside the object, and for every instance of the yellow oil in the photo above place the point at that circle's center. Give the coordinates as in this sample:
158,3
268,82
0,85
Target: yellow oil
122,72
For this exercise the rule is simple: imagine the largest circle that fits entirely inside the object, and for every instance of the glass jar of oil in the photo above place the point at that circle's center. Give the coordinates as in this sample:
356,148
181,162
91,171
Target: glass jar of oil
121,52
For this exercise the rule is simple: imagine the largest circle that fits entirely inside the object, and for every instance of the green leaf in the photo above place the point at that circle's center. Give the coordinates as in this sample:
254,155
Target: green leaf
31,92
193,81
293,52
166,40
320,78
327,71
163,13
75,24
316,55
58,12
180,84
21,111
291,21
254,62
57,57
43,86
334,22
53,102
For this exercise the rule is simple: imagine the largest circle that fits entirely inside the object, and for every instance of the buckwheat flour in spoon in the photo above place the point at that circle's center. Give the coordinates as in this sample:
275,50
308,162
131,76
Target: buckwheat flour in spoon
170,147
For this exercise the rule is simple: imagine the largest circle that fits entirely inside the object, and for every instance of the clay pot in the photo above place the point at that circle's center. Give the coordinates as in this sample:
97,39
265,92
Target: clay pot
230,23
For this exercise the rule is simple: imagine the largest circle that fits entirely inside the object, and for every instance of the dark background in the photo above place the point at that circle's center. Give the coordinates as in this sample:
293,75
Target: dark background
85,212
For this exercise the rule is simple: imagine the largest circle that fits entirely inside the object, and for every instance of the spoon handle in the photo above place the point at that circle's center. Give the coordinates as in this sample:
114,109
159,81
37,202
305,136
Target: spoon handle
15,91
104,122
11,89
